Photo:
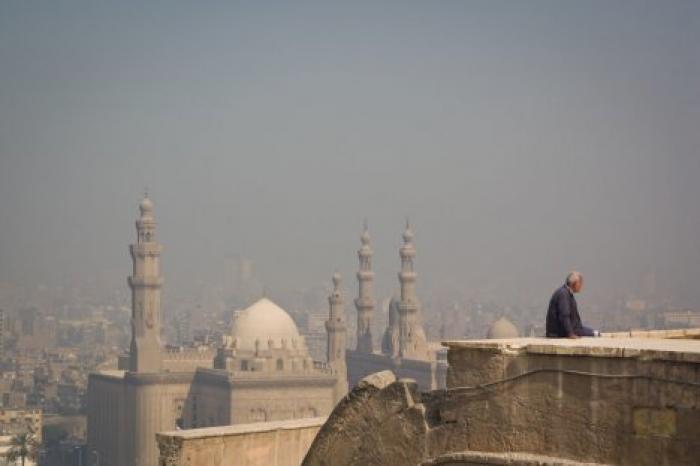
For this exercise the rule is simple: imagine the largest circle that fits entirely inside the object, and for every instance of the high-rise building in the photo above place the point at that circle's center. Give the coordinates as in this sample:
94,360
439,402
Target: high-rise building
2,334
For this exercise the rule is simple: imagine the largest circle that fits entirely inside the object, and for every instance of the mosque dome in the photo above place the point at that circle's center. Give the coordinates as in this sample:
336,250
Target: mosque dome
502,328
263,321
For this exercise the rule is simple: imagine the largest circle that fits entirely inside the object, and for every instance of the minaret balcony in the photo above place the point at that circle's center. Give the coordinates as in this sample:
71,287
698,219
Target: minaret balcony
408,306
146,249
151,282
364,302
335,326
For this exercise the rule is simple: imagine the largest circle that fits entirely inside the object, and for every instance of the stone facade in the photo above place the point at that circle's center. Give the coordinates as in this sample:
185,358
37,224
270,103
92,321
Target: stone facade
623,401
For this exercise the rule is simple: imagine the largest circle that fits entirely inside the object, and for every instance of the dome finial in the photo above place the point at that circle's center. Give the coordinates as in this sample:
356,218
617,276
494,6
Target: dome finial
365,232
336,280
146,205
408,233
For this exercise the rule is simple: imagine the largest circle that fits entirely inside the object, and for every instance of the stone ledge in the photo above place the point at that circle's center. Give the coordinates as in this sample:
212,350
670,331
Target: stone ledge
677,350
481,458
682,333
242,429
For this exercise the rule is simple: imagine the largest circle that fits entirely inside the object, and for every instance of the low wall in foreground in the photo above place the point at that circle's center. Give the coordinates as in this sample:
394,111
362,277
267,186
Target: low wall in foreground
275,443
526,402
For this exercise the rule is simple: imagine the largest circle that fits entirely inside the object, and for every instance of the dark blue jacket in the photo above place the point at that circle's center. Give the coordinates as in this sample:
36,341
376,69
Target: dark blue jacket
563,319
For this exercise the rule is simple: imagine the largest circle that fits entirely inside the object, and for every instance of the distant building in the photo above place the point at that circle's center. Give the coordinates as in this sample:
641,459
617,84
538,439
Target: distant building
262,372
2,334
17,421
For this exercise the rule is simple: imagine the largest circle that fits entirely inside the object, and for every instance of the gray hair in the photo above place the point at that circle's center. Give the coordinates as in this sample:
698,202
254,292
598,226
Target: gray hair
573,277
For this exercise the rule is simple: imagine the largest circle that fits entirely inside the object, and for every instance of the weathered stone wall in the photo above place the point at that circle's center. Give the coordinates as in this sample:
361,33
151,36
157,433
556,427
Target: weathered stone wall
277,443
378,422
611,401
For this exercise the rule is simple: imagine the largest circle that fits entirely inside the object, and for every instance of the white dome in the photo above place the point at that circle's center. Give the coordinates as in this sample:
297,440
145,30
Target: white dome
264,320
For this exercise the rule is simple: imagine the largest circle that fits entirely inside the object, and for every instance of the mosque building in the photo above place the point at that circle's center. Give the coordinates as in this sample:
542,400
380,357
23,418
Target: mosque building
262,372
404,347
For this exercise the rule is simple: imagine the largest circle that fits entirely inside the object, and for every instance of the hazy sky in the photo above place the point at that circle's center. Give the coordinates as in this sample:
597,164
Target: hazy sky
523,139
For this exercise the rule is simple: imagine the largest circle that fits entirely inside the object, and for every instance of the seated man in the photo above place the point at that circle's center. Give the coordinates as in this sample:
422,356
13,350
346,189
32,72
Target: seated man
563,319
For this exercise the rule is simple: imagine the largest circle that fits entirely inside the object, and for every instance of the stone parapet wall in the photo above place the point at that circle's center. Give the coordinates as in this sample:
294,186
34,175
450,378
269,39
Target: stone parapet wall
682,333
618,401
276,443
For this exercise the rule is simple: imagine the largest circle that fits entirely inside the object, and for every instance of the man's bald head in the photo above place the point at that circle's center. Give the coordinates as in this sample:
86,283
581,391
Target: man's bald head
574,281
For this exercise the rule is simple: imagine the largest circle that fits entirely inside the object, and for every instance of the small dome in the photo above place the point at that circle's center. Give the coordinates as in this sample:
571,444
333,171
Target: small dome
502,328
263,321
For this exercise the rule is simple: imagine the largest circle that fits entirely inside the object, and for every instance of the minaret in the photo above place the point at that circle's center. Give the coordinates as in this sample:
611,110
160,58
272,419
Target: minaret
335,327
145,284
412,343
365,300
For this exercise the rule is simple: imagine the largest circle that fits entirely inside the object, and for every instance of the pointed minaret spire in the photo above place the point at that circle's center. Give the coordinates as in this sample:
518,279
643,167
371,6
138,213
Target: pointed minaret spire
412,342
365,300
335,328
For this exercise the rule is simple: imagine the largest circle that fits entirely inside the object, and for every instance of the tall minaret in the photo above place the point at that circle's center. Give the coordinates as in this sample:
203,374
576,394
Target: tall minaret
335,327
145,284
412,342
365,300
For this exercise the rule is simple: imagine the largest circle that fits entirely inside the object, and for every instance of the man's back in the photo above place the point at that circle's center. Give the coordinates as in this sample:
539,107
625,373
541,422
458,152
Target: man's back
563,319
